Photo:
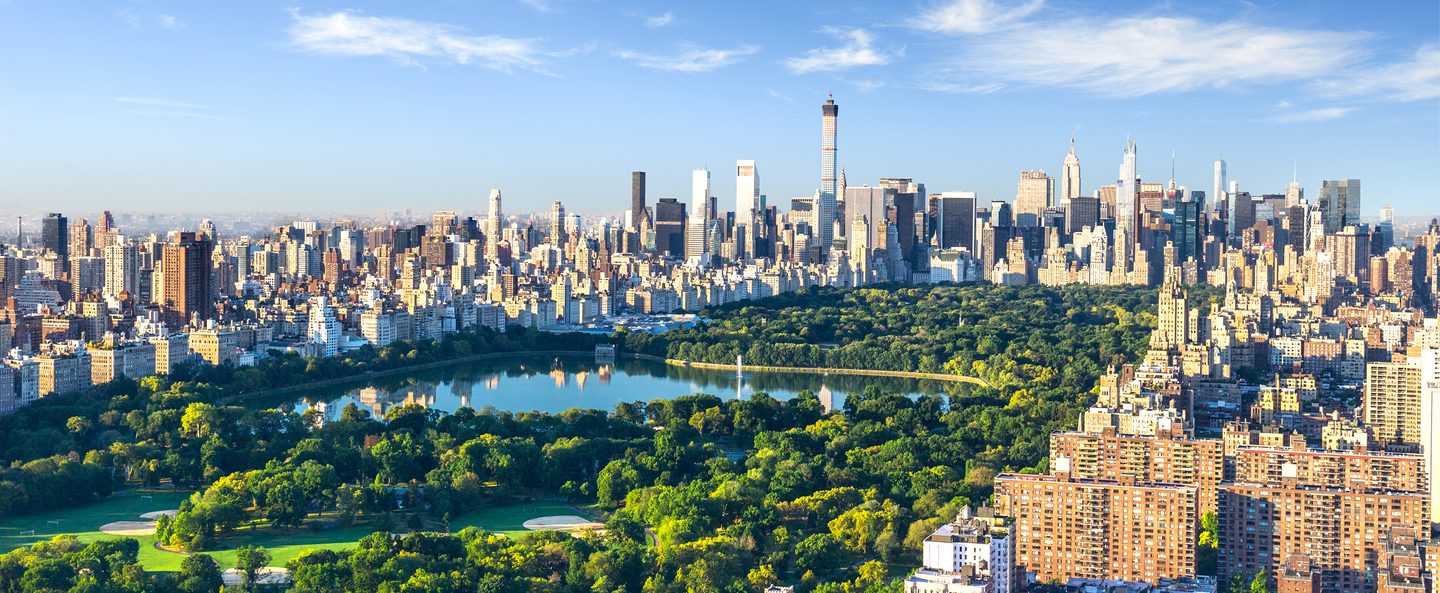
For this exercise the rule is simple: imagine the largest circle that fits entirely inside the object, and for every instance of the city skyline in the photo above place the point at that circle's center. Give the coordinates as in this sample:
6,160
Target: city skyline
387,107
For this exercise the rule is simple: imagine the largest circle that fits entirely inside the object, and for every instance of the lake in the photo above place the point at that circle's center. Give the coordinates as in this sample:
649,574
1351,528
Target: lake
525,383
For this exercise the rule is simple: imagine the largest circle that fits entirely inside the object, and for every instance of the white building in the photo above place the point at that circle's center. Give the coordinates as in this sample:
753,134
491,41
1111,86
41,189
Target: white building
975,553
324,327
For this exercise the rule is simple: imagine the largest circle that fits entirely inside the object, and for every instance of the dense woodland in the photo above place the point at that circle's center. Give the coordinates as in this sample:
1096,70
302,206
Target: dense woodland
698,494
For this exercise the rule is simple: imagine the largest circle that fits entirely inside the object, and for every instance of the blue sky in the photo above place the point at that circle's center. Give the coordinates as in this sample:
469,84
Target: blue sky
257,105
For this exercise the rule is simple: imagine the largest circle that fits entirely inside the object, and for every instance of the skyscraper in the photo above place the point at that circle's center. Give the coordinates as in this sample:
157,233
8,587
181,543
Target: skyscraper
55,237
955,224
494,226
1339,203
185,289
557,224
1219,189
1070,175
670,227
121,268
1127,197
825,204
747,199
637,197
1032,197
700,194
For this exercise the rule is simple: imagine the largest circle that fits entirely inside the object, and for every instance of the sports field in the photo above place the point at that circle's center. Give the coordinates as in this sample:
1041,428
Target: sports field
84,523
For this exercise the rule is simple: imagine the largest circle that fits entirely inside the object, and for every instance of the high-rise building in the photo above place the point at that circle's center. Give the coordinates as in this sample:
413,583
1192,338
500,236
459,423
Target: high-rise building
1081,212
670,227
55,237
1339,203
700,195
1127,197
1032,197
825,204
557,224
1168,457
637,197
183,288
1218,197
121,268
324,328
1329,517
1393,404
1068,527
955,220
747,200
1070,175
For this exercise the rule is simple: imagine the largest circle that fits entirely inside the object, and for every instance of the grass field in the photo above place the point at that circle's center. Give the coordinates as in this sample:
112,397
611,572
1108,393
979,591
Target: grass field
84,523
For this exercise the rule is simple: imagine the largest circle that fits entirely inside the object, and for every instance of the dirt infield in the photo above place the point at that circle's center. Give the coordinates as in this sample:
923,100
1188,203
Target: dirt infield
130,528
153,515
562,523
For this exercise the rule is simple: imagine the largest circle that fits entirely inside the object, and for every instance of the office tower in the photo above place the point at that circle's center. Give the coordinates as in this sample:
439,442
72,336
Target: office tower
1070,175
670,227
747,200
825,206
700,204
1219,188
1188,231
907,196
955,224
1032,197
1125,530
637,197
55,237
1351,250
1127,196
1082,212
696,245
1242,213
1169,457
183,280
557,224
1294,194
81,238
1339,203
121,265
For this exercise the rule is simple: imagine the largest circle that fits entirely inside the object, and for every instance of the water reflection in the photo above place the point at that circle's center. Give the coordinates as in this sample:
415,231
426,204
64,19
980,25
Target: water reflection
551,384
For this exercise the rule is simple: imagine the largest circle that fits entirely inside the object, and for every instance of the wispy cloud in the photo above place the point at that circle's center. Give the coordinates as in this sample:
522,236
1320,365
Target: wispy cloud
152,106
1414,78
858,50
140,21
154,102
352,34
690,58
662,20
1312,115
1130,57
972,16
781,96
540,6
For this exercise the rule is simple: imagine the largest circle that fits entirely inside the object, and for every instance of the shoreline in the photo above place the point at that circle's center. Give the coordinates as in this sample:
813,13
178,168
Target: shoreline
288,389
822,371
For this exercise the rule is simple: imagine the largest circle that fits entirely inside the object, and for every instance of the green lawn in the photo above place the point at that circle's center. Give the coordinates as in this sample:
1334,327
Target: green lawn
84,523
509,519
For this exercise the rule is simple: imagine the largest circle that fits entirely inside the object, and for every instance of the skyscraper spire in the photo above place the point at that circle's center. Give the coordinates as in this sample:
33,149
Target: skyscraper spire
1172,168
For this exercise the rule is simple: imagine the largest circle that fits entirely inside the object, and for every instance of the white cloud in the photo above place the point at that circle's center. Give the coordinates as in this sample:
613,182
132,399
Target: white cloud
690,58
541,6
154,102
352,34
168,22
1283,104
973,16
1416,78
655,22
1312,115
1131,57
858,50
139,21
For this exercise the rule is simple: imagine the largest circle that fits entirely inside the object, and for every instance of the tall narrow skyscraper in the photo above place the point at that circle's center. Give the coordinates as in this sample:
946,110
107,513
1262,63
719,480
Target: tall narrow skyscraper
1070,175
1217,197
825,202
557,224
1032,197
1127,197
747,192
55,237
700,195
637,197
